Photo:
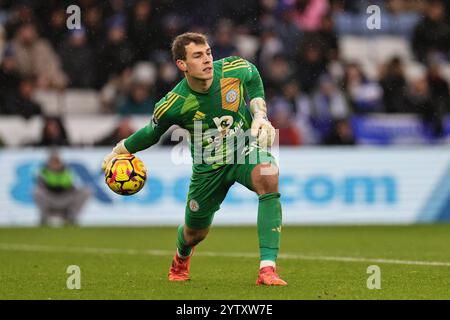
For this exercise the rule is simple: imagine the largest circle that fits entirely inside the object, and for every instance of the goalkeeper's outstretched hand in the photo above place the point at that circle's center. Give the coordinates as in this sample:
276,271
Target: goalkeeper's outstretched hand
118,149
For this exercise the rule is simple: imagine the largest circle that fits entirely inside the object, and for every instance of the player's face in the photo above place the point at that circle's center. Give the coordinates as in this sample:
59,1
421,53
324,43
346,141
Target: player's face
199,61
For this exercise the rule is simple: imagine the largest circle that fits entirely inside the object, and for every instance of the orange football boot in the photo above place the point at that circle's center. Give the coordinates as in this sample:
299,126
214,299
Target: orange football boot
267,276
179,269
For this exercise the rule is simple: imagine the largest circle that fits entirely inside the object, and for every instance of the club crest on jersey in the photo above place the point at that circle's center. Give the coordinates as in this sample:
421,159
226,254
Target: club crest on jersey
193,205
231,96
230,93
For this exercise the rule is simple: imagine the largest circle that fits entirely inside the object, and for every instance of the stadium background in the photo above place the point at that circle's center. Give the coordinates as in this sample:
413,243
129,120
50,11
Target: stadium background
362,113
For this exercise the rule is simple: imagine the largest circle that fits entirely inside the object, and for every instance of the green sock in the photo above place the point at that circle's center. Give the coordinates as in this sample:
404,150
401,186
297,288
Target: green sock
269,225
183,249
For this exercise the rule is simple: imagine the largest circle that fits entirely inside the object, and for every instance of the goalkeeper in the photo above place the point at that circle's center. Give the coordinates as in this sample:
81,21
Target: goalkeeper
209,103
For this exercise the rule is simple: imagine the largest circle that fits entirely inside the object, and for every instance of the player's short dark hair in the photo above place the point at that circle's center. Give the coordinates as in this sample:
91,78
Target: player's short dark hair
182,40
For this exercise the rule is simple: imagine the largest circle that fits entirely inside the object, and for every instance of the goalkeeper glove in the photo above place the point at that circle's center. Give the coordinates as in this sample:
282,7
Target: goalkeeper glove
117,150
262,129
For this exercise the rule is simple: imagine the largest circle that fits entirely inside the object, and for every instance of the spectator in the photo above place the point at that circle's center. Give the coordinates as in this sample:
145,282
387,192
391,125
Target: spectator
280,71
122,131
282,120
142,30
311,64
300,105
439,89
307,14
328,105
53,133
95,30
140,99
420,101
327,38
341,134
56,194
35,57
432,34
22,102
115,91
78,60
117,55
271,46
364,95
168,77
115,9
56,29
172,25
393,83
9,77
286,30
223,44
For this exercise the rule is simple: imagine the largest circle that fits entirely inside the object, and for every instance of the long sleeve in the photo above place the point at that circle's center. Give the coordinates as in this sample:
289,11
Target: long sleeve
253,83
146,137
162,119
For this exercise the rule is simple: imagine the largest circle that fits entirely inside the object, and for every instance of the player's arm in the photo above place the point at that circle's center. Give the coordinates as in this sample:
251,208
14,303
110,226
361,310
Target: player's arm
261,126
147,136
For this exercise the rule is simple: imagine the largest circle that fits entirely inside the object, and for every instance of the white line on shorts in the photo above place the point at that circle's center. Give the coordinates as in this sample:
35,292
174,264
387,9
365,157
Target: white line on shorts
288,256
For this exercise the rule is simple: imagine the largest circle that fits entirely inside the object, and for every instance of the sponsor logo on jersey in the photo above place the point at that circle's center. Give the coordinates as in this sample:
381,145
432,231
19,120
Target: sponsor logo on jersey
223,124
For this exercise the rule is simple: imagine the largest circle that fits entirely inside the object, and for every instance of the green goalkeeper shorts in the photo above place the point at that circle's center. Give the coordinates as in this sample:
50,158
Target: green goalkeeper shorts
207,190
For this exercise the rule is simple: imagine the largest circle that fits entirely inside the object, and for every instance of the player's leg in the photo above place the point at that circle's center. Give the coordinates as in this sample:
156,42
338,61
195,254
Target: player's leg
265,184
187,239
261,176
206,193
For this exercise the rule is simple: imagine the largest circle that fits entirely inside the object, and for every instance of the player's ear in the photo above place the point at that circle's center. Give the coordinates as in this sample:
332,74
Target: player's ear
181,65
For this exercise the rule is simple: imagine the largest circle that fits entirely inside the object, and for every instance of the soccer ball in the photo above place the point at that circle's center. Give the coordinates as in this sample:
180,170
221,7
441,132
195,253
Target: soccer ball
125,174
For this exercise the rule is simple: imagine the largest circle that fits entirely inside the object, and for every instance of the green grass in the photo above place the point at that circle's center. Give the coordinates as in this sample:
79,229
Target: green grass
38,271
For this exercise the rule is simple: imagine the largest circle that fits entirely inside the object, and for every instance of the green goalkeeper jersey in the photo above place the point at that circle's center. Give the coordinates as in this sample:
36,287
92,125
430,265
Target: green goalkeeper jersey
218,121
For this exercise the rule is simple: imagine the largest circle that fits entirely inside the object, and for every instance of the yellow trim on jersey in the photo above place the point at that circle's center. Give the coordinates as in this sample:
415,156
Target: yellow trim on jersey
234,68
199,116
236,65
234,62
169,99
159,115
161,112
223,63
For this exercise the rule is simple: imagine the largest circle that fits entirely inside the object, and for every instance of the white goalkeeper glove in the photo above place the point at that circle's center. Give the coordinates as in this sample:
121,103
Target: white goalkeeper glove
117,150
262,129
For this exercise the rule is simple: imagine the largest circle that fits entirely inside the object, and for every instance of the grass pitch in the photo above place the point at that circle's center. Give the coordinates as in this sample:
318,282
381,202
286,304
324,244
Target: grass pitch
317,263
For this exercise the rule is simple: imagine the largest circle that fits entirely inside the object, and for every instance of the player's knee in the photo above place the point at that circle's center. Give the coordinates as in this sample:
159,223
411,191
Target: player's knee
265,179
193,237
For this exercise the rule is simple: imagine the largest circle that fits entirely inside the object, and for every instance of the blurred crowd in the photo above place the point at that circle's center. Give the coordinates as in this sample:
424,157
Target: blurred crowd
122,51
